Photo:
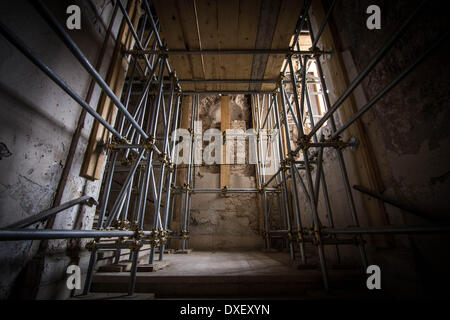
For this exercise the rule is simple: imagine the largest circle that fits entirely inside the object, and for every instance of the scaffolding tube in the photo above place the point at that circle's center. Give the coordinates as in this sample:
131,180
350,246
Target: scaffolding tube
142,148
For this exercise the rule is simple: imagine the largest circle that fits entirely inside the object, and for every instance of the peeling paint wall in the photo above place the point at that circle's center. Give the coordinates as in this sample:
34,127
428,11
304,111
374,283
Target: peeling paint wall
408,130
36,126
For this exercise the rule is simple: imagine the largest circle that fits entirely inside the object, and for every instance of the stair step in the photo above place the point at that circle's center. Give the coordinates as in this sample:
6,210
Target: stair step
224,285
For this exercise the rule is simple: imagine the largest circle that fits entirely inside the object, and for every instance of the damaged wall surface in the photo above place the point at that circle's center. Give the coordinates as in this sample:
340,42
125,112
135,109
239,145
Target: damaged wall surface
408,130
229,222
37,123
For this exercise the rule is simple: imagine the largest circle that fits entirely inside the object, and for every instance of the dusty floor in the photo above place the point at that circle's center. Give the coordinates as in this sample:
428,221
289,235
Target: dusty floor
227,263
250,274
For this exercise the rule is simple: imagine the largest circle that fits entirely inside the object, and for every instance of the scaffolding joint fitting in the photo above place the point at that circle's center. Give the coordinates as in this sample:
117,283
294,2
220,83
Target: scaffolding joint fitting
317,240
149,143
163,236
102,146
300,237
120,224
165,160
316,52
187,188
184,234
135,245
303,142
286,164
91,245
138,234
154,238
290,235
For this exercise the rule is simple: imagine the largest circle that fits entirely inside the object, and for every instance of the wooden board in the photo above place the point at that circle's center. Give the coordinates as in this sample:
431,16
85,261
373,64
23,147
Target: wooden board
231,24
191,37
287,18
227,27
267,23
172,32
93,162
248,28
224,125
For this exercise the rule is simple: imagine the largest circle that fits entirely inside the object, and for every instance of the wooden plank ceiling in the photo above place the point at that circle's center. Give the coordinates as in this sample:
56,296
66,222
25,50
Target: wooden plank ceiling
227,24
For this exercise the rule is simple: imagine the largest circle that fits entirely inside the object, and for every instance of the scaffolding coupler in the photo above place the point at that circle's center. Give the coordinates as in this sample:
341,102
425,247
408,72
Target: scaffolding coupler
154,238
184,234
303,142
290,235
149,143
163,236
120,224
300,237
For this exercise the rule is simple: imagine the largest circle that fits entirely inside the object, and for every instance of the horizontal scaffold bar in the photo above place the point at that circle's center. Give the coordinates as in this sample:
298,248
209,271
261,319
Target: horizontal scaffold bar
31,234
230,190
230,51
387,230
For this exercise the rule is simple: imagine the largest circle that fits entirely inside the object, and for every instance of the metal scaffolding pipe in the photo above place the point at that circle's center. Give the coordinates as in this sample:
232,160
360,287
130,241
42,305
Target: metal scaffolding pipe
225,51
32,234
88,200
11,37
59,30
388,230
374,61
391,85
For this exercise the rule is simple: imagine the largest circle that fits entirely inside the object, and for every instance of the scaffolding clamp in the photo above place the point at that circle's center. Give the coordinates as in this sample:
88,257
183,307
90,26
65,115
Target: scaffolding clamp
317,238
164,159
154,238
299,237
91,245
138,234
163,236
316,52
286,164
121,224
120,240
303,142
224,189
170,165
149,143
290,235
184,234
173,188
187,188
135,245
125,162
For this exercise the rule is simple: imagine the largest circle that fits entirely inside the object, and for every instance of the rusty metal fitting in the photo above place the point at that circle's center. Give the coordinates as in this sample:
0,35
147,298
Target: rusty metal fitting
135,245
184,234
163,236
91,245
149,143
138,234
317,236
290,235
299,237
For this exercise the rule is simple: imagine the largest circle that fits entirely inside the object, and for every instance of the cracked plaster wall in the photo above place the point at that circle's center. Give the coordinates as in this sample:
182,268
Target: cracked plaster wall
36,126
